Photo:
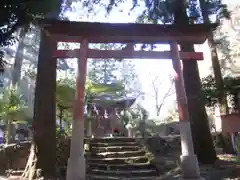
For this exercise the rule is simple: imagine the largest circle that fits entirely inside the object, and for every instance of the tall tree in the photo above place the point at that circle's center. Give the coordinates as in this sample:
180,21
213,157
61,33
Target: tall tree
103,70
220,10
42,158
16,73
209,8
114,70
129,78
197,113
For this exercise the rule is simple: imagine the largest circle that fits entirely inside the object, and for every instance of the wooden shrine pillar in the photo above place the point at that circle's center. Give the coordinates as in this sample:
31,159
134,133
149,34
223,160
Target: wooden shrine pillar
76,169
44,118
189,162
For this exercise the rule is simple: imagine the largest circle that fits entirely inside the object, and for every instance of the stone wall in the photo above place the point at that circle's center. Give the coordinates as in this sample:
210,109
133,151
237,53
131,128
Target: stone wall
14,156
161,145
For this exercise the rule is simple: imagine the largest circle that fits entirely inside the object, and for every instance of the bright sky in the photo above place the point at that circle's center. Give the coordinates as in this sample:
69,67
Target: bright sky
144,67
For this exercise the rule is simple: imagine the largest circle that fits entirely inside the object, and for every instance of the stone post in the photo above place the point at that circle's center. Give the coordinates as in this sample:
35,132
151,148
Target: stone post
130,130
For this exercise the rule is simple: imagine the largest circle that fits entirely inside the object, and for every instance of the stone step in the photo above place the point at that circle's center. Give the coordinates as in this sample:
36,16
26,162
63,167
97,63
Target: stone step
119,160
100,144
112,139
98,177
118,154
114,149
134,166
124,173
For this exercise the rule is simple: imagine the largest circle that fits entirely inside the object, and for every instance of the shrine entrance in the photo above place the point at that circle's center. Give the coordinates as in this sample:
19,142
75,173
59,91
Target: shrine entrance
55,31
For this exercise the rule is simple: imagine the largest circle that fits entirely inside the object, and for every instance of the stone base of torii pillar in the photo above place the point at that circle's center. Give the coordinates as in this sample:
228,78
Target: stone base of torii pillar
76,168
189,161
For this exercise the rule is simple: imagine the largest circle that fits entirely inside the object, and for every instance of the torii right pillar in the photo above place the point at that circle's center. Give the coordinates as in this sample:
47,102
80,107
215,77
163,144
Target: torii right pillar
189,161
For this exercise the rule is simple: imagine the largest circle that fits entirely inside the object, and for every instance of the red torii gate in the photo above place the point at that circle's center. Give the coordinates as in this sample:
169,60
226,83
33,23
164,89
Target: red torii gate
84,33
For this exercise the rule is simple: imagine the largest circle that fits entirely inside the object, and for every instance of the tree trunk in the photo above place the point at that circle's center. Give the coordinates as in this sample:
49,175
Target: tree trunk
16,73
224,109
215,62
17,67
60,118
202,139
218,76
31,171
226,137
42,159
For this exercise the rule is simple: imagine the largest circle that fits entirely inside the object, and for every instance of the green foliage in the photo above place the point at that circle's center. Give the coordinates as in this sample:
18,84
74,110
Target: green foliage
103,70
238,143
232,86
163,10
20,14
96,89
211,93
217,7
65,92
62,148
12,110
158,11
16,14
12,107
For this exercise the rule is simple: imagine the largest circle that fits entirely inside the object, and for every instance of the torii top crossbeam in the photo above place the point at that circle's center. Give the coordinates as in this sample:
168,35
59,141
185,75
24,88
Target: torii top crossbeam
69,31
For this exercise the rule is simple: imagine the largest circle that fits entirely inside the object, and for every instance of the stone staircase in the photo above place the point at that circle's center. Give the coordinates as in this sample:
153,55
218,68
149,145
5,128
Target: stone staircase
118,159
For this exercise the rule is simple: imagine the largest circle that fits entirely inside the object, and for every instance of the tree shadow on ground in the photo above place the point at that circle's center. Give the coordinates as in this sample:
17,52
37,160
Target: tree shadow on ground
221,170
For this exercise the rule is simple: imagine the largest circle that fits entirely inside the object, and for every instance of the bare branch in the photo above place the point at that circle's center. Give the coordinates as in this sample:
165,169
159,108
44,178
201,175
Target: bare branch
156,84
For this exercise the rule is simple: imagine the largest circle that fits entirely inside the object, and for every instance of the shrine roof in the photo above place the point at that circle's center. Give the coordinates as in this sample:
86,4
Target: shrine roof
127,32
107,100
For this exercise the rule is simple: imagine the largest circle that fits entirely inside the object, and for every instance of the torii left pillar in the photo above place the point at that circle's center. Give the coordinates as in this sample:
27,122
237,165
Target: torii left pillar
76,168
189,161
